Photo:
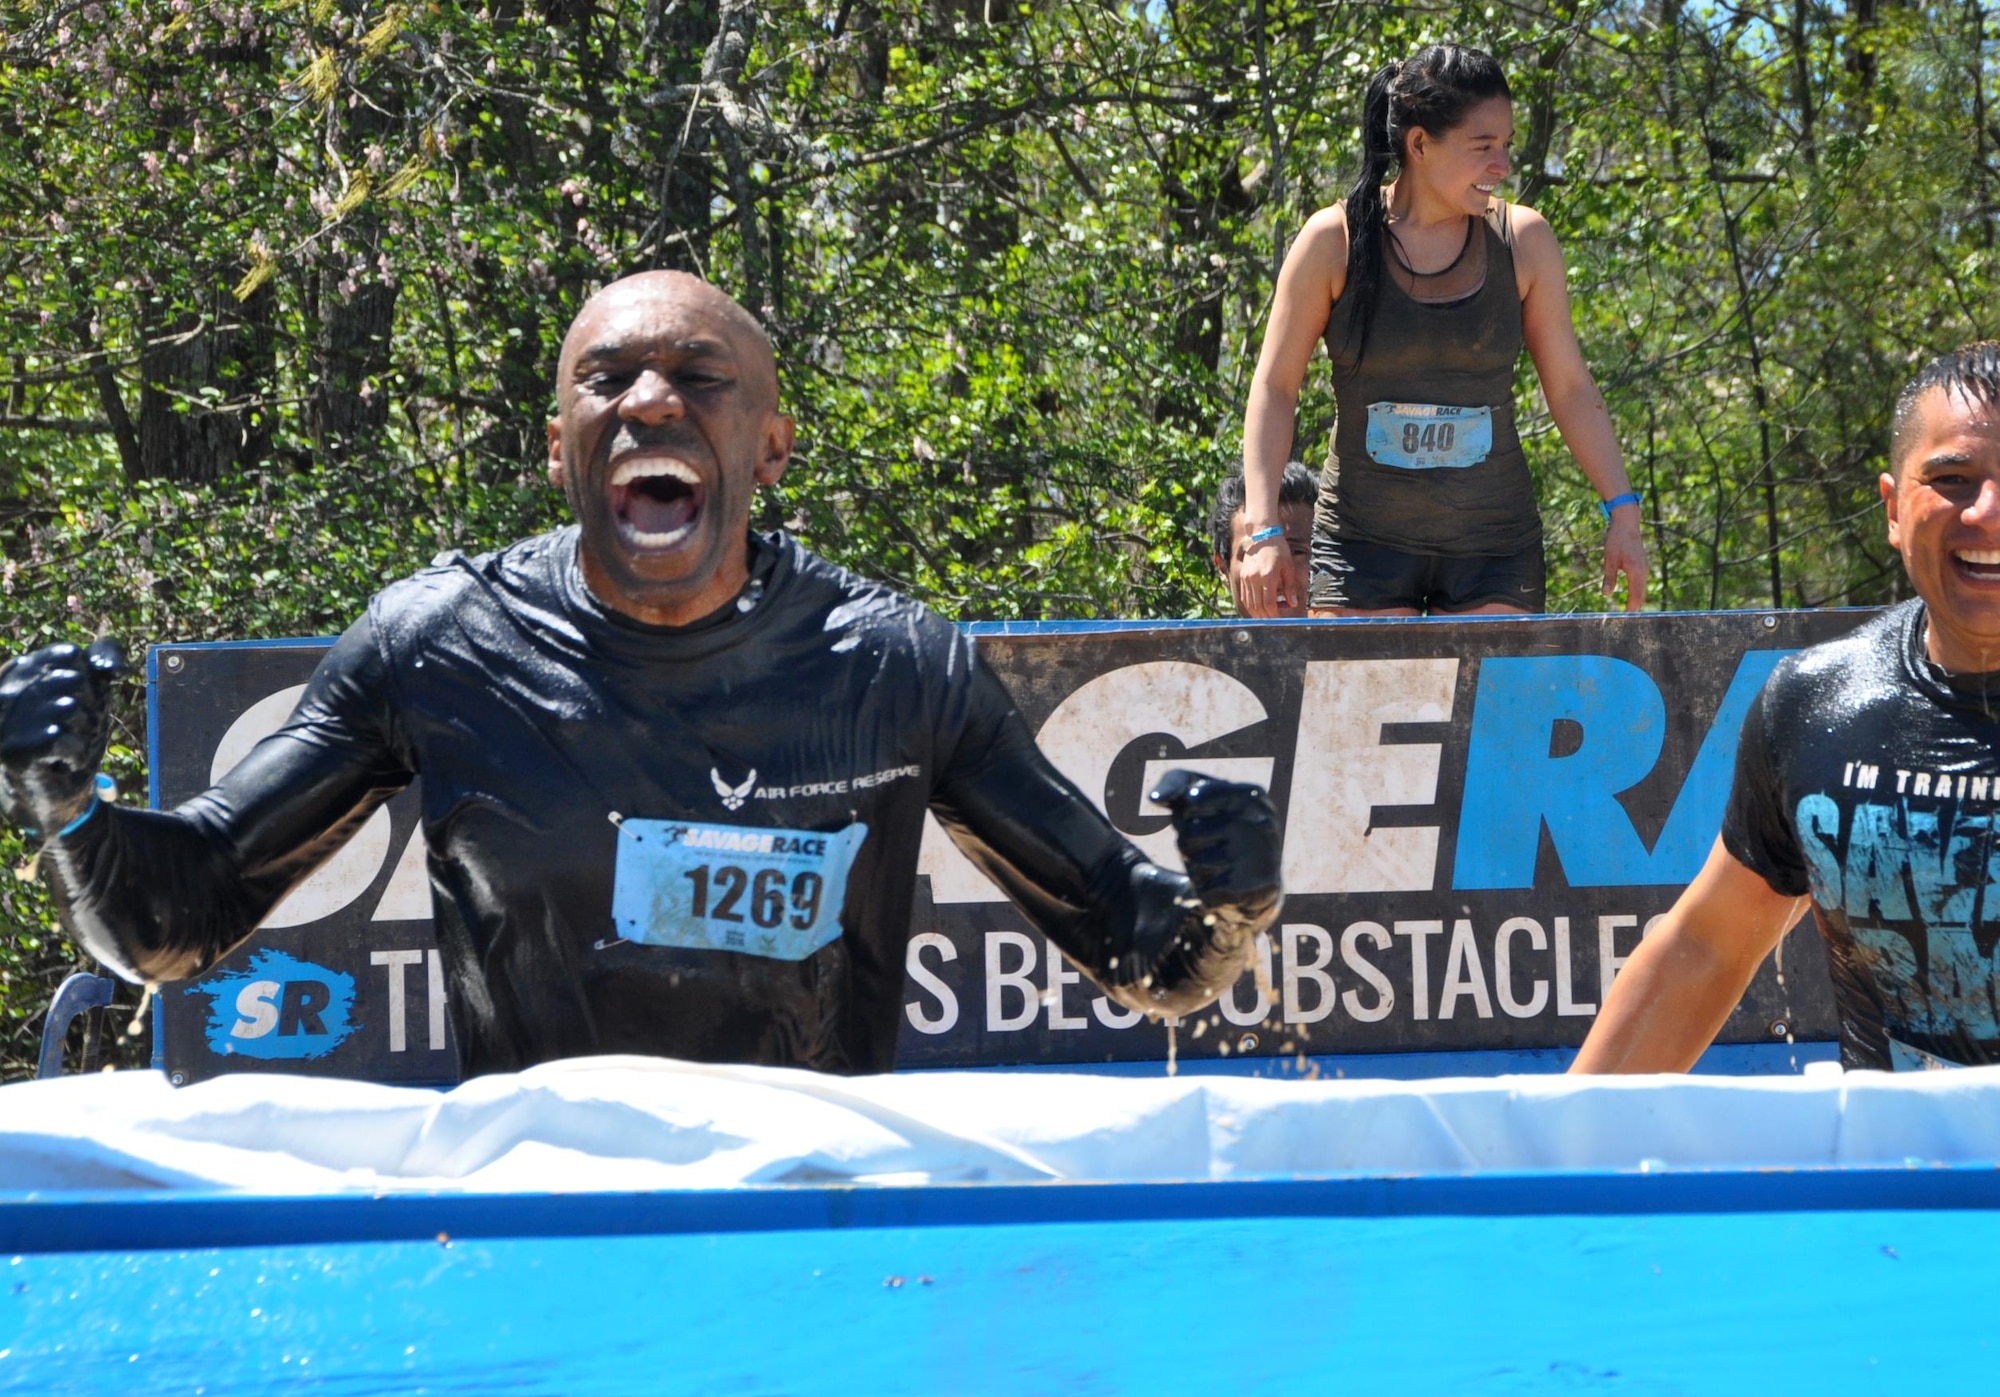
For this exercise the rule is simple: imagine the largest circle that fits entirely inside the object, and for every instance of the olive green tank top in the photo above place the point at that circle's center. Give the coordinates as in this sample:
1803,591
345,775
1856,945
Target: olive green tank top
1425,453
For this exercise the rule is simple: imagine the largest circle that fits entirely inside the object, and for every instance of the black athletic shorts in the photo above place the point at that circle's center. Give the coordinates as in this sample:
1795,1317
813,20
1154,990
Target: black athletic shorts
1375,577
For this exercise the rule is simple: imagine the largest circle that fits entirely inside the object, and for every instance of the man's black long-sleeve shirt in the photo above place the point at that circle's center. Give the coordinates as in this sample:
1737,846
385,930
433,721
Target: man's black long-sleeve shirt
695,842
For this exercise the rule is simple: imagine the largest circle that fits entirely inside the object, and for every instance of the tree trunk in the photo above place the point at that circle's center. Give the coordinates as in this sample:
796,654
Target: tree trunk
201,388
349,402
1198,212
681,35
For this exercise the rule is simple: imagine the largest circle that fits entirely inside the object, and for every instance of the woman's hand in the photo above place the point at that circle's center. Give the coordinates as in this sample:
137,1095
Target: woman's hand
1266,579
1625,551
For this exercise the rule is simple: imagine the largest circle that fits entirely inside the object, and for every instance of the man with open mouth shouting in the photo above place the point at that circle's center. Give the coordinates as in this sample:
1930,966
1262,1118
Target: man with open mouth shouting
675,772
1867,784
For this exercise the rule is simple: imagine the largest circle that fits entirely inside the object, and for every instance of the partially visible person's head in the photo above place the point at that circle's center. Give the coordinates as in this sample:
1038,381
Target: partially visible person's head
1942,493
1972,372
666,422
1229,531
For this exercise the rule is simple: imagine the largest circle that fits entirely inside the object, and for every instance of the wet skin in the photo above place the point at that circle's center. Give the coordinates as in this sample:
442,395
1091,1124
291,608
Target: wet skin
1944,518
666,424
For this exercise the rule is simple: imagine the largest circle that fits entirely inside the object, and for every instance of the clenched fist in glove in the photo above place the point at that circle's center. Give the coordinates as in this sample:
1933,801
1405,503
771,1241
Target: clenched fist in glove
1228,838
55,719
1192,933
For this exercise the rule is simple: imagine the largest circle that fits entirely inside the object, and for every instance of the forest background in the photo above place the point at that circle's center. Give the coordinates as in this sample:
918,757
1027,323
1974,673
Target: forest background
285,282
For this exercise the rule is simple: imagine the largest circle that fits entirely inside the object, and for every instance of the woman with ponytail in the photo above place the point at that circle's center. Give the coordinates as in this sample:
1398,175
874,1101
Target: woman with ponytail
1425,290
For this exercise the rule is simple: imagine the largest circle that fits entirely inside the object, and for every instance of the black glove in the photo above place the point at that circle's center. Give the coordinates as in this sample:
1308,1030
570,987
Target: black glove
55,720
1228,837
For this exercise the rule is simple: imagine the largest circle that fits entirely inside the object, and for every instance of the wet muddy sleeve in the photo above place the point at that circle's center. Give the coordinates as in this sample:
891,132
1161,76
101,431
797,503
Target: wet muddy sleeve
161,895
1757,829
1133,927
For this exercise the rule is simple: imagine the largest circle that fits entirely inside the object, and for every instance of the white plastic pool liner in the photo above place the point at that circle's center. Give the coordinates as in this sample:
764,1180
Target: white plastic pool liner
636,1123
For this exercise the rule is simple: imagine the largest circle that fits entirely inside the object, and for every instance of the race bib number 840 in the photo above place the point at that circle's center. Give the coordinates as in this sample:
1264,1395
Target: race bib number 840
1423,436
761,892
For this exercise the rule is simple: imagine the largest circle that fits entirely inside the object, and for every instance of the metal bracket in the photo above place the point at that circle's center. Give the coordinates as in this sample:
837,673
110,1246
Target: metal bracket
79,994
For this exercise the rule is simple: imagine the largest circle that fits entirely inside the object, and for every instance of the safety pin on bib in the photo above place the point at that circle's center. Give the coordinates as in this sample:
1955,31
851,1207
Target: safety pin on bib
610,941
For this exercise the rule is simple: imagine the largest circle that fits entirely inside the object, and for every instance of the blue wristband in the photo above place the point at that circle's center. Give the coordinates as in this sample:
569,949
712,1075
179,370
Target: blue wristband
1264,535
78,823
1608,505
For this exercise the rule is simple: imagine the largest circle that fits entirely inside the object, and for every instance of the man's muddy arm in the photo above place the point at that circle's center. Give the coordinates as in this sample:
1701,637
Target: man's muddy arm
161,895
1154,940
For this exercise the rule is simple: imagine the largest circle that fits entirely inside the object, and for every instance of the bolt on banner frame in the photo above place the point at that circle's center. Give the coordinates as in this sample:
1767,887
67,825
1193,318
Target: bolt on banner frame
1483,816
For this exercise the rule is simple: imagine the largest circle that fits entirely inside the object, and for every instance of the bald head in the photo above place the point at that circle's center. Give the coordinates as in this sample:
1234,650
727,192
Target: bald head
691,305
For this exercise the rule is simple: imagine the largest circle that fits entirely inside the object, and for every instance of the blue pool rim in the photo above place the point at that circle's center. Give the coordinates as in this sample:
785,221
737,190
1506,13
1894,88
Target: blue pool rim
146,1220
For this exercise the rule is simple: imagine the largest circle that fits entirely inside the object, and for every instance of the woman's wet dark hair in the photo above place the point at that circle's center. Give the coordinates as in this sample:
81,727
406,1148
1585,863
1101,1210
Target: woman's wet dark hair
1433,88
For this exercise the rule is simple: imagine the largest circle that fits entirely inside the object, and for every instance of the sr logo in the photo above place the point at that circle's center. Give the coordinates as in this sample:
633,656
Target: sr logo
278,1008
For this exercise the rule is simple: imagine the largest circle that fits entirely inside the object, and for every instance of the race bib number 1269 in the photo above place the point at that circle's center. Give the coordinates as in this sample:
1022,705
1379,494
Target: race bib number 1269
763,892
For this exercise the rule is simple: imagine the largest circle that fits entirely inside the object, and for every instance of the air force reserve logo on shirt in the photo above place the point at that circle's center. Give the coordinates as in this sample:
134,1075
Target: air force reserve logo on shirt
733,796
